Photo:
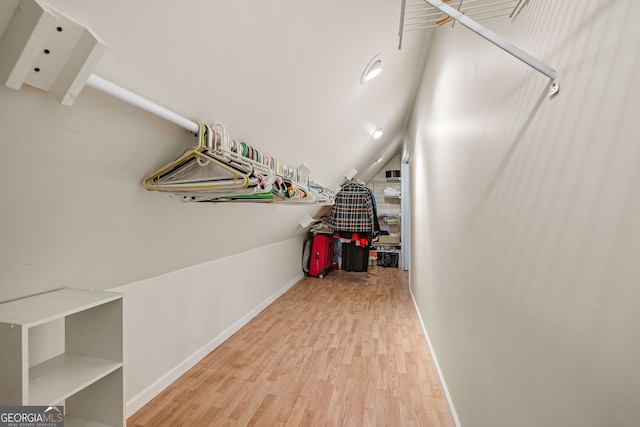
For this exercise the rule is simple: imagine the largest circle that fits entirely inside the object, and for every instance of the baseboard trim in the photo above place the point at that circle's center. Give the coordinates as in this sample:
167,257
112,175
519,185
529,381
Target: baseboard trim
456,420
163,382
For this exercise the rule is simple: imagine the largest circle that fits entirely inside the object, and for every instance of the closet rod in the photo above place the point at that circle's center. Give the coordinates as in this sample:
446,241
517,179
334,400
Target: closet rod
129,97
495,39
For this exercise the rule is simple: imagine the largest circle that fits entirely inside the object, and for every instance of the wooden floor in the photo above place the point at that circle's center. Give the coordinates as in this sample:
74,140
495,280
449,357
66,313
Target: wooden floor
346,350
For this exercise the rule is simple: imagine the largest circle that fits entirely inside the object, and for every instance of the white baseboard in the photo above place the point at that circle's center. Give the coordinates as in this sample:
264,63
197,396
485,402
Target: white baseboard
163,382
456,420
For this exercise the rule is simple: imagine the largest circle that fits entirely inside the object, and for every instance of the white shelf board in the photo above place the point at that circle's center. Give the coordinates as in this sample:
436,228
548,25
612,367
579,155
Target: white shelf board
42,308
64,375
79,422
386,180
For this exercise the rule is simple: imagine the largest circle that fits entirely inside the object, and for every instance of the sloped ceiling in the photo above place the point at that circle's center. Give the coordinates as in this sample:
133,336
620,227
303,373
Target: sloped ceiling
283,76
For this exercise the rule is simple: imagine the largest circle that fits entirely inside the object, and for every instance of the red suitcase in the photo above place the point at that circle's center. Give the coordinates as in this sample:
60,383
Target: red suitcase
321,256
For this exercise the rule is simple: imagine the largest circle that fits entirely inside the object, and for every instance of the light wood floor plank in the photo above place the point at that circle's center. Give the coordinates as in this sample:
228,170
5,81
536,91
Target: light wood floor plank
346,350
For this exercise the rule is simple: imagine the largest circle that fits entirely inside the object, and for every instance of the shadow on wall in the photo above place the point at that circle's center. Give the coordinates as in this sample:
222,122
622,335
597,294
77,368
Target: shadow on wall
506,158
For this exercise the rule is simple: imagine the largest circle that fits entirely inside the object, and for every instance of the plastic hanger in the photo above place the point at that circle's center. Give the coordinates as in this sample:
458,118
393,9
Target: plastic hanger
354,187
199,169
222,169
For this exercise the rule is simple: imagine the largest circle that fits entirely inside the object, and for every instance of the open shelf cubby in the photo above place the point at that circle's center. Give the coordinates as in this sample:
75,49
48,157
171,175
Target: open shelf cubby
64,348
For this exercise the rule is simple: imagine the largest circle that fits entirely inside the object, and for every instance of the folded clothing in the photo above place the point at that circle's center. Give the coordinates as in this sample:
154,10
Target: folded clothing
391,192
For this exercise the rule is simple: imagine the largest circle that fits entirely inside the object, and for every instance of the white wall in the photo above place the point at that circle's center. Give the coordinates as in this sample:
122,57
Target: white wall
173,320
526,218
74,214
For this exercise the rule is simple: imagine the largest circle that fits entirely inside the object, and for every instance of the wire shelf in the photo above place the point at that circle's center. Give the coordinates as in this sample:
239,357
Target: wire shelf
420,15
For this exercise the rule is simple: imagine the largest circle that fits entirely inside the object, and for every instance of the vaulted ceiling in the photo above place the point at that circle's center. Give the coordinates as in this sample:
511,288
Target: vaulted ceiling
283,76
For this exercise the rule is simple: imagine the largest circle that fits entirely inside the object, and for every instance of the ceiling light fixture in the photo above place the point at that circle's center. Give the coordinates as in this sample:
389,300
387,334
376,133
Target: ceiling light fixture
373,69
377,134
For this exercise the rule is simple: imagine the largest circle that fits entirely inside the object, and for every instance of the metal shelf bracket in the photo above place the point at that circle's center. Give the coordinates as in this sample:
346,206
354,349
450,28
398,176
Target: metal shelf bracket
42,47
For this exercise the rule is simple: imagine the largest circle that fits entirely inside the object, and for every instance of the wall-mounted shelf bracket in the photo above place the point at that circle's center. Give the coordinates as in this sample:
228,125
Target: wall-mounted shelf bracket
42,47
431,20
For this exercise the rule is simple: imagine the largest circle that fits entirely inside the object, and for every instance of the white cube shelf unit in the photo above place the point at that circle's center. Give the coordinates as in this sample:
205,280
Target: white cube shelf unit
83,367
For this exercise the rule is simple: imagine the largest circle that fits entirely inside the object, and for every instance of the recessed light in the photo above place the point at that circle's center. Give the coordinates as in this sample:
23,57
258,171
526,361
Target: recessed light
373,69
377,134
372,73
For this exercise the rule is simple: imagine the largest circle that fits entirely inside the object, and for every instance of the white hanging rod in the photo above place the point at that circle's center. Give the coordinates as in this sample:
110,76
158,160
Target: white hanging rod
497,40
129,97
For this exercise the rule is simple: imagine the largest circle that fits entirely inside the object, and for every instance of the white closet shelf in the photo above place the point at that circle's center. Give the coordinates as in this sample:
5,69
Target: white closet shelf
80,366
43,308
386,180
56,379
420,15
